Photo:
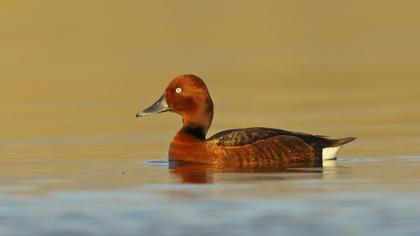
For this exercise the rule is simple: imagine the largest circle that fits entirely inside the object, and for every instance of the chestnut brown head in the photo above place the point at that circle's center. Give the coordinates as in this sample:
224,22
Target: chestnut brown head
188,96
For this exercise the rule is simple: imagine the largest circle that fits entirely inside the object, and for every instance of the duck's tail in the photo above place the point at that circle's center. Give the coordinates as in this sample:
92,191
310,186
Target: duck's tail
342,141
330,153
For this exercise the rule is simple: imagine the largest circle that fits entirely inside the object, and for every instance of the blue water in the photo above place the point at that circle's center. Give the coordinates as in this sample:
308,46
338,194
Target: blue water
349,198
191,210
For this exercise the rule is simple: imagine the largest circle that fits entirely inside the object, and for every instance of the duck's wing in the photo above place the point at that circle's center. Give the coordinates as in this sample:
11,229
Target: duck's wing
239,137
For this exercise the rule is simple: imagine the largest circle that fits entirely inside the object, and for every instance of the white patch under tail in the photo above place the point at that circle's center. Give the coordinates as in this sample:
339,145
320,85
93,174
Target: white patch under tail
330,153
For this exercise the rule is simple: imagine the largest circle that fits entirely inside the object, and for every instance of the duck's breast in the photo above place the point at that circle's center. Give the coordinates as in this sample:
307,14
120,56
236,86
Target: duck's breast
202,152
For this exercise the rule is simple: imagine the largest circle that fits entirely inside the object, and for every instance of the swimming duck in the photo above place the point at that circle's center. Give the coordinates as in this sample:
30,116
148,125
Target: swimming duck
188,96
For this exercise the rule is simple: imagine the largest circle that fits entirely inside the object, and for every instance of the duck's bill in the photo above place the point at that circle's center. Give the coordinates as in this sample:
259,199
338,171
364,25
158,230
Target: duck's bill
159,106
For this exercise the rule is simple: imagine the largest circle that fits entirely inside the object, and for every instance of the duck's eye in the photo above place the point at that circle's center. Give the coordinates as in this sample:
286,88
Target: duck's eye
178,90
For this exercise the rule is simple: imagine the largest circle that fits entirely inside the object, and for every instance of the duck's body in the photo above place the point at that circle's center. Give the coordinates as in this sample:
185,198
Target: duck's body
188,96
255,147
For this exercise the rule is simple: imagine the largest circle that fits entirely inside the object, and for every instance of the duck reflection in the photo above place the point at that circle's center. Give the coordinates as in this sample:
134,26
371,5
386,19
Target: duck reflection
197,173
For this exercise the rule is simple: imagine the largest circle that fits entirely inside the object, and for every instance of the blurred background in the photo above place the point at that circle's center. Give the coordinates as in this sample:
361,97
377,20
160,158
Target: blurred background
82,69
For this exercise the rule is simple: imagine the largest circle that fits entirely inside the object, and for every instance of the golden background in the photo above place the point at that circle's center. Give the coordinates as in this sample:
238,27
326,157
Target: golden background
80,70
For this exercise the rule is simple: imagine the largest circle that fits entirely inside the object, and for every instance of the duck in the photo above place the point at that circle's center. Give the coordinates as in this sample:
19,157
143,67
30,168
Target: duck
188,96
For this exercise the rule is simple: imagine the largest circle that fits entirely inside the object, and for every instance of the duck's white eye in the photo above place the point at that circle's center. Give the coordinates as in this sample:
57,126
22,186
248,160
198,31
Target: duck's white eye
178,90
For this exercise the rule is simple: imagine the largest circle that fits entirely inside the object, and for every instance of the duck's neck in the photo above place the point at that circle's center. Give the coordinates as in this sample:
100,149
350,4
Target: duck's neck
196,124
191,134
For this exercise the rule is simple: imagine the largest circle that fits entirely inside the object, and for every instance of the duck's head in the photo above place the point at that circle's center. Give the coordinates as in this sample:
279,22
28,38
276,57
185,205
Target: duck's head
188,96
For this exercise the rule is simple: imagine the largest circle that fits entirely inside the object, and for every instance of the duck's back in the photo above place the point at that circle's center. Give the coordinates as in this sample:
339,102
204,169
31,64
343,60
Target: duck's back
239,137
